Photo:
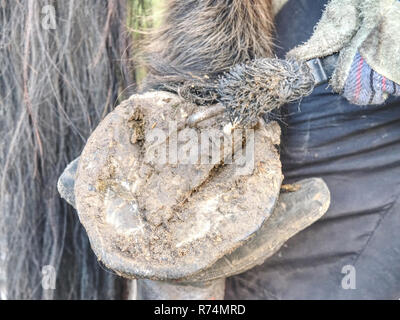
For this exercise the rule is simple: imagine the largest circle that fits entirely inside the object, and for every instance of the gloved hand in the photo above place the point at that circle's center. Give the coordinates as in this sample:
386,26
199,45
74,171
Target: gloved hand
298,206
366,33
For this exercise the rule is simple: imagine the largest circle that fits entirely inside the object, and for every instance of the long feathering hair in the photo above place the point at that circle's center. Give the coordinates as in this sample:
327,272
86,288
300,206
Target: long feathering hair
55,86
204,38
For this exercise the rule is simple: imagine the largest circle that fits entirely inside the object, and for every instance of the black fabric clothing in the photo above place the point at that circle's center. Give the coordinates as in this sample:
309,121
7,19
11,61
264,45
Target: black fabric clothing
356,150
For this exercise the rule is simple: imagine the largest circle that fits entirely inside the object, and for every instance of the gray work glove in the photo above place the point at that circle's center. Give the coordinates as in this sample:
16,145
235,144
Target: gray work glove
298,206
366,34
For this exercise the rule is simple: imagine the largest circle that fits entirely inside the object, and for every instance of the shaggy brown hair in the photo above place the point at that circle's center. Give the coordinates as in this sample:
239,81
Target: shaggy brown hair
200,39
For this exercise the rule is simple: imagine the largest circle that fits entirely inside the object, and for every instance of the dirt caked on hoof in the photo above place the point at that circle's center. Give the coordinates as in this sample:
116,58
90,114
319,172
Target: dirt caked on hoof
163,198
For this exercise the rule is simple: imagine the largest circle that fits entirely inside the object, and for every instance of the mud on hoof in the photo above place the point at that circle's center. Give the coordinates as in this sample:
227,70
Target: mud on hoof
167,220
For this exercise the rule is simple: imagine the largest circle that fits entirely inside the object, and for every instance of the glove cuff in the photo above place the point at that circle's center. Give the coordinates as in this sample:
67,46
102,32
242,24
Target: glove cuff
335,29
370,27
